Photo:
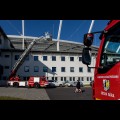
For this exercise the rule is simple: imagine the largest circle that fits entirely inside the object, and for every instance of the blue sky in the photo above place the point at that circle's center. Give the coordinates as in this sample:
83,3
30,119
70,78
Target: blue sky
72,30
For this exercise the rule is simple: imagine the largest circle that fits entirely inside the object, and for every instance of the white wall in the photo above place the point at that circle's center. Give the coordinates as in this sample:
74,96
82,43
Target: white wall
49,63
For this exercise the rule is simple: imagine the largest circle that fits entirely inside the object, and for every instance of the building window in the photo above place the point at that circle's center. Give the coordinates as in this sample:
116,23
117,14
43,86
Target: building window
87,78
71,58
79,78
45,69
27,58
80,58
71,69
52,78
7,67
90,78
73,78
89,69
35,58
36,69
80,69
62,69
61,78
53,69
62,58
44,58
26,68
1,69
16,57
56,78
53,58
7,56
64,78
70,78
82,78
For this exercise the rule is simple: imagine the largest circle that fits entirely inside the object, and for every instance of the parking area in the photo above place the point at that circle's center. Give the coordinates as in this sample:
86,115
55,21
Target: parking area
58,93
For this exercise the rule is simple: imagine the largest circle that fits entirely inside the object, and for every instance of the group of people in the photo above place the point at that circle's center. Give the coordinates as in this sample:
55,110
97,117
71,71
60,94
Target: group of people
78,87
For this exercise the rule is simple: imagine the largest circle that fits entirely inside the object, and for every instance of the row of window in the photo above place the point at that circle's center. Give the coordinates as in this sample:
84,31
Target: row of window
56,78
73,78
45,69
45,58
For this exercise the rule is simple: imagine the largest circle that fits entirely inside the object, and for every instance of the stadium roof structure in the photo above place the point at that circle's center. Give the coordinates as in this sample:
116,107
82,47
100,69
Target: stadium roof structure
48,46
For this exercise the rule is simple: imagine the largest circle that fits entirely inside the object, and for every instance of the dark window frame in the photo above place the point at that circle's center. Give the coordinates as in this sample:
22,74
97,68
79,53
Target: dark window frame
53,69
80,58
62,58
72,69
17,57
7,56
28,70
45,58
63,69
81,69
53,58
45,69
71,58
35,69
36,58
6,67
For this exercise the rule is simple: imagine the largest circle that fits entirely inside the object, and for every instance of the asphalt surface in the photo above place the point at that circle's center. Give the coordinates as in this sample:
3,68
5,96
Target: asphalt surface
58,93
67,93
24,93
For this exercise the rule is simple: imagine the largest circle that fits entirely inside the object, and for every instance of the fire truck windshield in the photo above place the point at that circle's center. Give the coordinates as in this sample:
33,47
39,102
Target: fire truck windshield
111,51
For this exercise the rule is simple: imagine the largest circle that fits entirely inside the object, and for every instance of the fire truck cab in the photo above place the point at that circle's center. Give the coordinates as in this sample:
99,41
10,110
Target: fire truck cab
106,85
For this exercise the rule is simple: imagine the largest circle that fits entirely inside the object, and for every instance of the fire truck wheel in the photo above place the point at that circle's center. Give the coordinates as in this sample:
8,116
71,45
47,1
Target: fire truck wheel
36,85
15,84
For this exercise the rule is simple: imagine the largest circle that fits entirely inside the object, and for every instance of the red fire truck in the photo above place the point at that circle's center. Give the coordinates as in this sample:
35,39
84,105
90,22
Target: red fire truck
38,82
106,85
33,81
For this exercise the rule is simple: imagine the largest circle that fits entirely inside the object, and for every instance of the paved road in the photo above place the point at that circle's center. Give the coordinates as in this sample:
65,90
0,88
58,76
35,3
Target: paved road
67,93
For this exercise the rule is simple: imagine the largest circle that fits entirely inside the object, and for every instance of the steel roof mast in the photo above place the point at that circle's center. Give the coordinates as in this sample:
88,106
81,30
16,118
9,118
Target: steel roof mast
59,32
91,26
23,33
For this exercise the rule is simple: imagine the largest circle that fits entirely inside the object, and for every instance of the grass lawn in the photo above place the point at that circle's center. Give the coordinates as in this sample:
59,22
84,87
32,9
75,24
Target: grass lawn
10,98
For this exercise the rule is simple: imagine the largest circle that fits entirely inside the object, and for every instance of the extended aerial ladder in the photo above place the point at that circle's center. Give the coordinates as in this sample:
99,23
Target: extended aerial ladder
21,59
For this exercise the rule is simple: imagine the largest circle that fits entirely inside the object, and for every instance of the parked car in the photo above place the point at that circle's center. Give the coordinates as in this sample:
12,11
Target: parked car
59,83
51,84
73,84
56,83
